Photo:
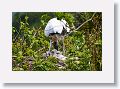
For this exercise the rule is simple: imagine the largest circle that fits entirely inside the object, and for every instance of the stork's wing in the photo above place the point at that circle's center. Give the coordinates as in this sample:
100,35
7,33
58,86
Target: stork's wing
53,26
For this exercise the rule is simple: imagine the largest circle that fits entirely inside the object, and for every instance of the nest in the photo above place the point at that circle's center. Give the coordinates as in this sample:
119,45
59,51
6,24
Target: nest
55,53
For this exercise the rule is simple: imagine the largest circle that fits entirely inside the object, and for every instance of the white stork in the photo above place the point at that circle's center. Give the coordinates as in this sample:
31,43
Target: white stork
55,30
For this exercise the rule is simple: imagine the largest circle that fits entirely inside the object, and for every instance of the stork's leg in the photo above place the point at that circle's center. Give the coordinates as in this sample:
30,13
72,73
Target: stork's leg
50,45
55,41
63,45
56,45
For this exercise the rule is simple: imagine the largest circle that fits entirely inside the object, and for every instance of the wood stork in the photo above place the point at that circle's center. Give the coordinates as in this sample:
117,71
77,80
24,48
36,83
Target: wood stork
56,30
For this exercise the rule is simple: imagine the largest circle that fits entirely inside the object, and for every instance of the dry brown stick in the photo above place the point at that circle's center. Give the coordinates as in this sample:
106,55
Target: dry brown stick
83,23
86,21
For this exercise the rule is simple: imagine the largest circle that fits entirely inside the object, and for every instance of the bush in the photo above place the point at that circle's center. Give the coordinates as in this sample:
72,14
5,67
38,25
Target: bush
83,48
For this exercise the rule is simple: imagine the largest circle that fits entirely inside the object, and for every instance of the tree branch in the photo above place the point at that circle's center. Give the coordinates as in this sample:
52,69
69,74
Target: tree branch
83,24
86,21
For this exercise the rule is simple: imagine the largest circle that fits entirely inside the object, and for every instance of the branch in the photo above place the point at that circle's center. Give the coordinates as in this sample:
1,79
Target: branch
83,23
86,21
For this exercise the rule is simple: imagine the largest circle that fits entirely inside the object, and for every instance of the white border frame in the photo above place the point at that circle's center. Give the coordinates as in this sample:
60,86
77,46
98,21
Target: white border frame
104,76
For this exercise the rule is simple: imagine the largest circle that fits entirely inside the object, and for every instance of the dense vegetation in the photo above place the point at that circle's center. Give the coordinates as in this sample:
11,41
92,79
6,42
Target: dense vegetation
83,47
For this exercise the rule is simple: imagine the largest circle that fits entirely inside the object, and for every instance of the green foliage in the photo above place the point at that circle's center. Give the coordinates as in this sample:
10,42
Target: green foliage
83,48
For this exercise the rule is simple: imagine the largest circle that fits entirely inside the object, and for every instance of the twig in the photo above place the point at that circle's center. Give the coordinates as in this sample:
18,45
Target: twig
14,56
86,21
83,24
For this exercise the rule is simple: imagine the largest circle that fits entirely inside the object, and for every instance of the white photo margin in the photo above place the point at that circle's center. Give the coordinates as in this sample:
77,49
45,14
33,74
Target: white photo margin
104,76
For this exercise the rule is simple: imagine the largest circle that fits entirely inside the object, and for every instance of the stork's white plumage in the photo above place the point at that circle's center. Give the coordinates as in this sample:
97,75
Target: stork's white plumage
56,28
